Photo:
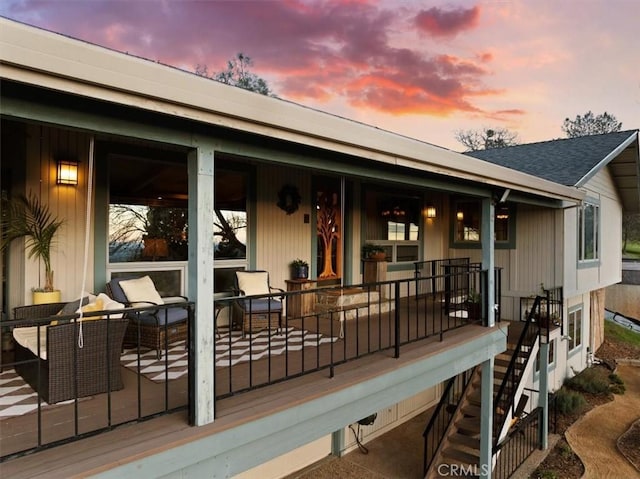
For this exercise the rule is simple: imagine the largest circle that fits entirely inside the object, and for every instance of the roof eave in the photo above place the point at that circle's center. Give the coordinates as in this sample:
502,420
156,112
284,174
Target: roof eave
50,60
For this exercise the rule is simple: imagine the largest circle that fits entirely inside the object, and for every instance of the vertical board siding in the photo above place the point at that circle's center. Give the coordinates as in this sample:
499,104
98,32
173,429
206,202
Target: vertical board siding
281,238
45,146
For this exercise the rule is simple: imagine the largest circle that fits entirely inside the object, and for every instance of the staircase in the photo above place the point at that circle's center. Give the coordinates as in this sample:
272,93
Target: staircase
460,446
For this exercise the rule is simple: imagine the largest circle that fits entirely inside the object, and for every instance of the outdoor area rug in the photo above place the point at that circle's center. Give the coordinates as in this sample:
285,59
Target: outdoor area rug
17,397
231,349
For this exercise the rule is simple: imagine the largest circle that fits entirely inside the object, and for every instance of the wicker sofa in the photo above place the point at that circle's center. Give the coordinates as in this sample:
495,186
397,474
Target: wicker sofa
63,370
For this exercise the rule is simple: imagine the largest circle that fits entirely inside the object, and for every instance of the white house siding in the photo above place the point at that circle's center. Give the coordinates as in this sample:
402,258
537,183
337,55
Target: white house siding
534,260
45,145
281,238
607,272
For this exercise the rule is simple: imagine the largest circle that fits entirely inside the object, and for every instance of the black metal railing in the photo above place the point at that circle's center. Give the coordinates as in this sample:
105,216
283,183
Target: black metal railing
438,425
341,324
81,368
505,397
309,331
520,442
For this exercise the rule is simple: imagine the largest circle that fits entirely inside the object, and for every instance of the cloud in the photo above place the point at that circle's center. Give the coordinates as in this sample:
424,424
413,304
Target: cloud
307,50
442,23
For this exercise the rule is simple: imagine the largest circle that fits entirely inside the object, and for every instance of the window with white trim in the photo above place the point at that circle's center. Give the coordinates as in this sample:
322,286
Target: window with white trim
589,232
574,328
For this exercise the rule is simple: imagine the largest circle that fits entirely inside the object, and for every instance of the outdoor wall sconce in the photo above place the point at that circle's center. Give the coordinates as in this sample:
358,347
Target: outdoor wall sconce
459,215
431,212
67,172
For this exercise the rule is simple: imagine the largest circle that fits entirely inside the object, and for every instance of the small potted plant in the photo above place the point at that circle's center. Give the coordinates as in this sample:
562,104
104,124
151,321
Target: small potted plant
473,305
28,218
374,252
299,269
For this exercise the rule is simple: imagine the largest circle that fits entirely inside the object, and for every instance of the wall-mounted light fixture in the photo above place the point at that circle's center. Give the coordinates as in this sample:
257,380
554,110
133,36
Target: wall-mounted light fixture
431,211
459,215
67,172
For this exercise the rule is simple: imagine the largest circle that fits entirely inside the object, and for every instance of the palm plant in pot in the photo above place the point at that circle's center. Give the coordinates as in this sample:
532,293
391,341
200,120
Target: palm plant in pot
28,218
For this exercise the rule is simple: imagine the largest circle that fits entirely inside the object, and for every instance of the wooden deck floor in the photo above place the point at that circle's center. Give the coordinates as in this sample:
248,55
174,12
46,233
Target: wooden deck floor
131,440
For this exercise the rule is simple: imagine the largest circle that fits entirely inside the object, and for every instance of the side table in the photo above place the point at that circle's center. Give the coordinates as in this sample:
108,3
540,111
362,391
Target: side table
299,305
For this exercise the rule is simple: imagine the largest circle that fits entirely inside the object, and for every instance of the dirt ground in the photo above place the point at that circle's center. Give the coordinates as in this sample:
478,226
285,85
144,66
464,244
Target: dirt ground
565,463
599,451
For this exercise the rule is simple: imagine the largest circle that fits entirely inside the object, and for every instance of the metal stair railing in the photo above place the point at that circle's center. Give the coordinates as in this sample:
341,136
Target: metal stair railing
505,398
438,426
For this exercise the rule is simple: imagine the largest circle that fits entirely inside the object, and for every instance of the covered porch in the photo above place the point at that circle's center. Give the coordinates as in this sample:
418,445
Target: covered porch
259,362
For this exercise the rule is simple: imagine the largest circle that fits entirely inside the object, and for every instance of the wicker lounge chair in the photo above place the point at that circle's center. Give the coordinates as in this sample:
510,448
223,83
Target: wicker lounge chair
261,312
69,371
155,327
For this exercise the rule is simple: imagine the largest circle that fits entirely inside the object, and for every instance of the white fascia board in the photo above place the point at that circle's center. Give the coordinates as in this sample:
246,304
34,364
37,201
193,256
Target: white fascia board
605,161
51,60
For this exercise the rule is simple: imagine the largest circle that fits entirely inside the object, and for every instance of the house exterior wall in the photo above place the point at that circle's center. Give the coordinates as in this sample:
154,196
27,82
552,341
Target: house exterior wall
587,277
44,146
387,419
280,238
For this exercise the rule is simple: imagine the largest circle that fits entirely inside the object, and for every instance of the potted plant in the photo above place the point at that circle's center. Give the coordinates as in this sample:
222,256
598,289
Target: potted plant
374,252
28,218
473,305
299,269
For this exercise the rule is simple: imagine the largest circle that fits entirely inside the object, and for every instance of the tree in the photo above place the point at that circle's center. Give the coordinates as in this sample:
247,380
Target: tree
487,138
238,74
588,124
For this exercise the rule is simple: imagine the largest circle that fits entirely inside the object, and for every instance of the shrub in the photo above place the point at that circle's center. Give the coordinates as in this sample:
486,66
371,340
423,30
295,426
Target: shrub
569,402
546,474
590,380
615,379
618,388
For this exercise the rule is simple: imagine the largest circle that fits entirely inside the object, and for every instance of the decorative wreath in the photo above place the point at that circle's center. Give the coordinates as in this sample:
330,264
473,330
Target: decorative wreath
289,199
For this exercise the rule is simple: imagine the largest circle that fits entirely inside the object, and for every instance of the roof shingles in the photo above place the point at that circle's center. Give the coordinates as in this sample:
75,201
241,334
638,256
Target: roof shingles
563,161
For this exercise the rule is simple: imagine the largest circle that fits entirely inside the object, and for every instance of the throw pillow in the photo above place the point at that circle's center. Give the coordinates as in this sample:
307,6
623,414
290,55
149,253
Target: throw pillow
110,305
90,308
253,283
73,307
141,291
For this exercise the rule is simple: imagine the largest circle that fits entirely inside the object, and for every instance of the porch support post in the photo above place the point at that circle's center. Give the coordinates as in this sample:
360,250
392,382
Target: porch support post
543,397
488,257
486,420
201,195
337,442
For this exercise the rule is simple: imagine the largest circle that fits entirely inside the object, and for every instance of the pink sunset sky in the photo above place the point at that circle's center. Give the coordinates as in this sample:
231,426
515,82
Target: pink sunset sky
423,69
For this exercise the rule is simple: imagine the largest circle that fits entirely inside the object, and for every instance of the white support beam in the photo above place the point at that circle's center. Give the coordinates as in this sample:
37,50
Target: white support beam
201,287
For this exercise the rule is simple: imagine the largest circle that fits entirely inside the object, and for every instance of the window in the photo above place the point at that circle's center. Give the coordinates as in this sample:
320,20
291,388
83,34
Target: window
392,221
230,222
467,220
551,357
588,232
147,213
574,329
